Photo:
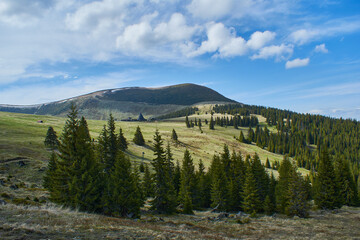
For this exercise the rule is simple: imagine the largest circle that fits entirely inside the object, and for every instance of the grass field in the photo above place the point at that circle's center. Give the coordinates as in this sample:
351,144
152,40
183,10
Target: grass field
28,215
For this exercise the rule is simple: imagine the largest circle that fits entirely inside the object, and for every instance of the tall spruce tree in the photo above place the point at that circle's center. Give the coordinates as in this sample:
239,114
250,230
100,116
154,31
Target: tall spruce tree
286,173
148,183
219,193
164,197
138,137
212,123
66,159
345,183
326,193
297,203
204,187
123,144
125,198
251,200
48,180
188,182
51,139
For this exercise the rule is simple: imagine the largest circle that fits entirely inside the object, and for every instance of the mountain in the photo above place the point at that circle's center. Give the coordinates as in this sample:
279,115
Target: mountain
128,102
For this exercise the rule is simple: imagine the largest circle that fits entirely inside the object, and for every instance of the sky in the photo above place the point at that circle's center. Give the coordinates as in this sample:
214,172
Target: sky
290,54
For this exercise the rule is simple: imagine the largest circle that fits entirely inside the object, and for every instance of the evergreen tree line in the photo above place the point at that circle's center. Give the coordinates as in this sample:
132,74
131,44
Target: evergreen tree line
237,121
98,177
303,135
180,113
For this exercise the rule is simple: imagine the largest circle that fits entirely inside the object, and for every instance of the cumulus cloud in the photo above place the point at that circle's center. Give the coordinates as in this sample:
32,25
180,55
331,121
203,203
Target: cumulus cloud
321,48
279,52
259,39
210,9
222,40
297,63
143,38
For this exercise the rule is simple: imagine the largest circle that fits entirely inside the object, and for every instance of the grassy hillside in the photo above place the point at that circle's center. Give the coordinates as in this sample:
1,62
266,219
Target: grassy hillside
21,141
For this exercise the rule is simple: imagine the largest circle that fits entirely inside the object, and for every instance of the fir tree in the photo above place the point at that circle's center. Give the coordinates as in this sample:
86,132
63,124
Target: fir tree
123,144
148,184
219,193
251,203
325,188
212,123
286,173
187,123
138,137
345,183
297,197
242,138
187,181
164,196
177,177
48,179
51,139
188,205
261,177
125,198
85,187
204,187
267,164
67,156
174,135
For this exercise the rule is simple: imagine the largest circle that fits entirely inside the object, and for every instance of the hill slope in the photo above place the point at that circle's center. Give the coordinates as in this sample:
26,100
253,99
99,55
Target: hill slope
128,102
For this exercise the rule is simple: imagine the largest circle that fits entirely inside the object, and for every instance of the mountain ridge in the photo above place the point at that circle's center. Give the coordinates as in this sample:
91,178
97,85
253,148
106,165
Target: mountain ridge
127,102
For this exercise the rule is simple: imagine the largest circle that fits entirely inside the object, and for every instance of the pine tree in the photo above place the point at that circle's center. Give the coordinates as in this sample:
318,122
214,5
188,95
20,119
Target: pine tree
242,138
251,135
187,181
174,135
345,183
188,205
204,186
165,198
177,177
212,123
123,144
325,189
66,158
84,188
251,201
48,179
267,164
236,181
219,193
261,177
51,139
125,198
286,173
187,123
148,184
138,137
297,197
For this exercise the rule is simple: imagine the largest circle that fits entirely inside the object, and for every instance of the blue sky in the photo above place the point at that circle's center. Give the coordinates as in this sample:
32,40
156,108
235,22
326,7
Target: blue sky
290,54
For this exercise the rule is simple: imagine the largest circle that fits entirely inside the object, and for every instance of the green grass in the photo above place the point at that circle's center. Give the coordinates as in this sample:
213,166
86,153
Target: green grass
22,136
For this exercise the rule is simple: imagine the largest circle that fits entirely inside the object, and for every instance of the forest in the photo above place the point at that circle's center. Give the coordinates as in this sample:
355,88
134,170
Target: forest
96,176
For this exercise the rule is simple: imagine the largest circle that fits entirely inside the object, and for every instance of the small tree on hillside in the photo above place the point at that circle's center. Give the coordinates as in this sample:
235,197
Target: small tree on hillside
174,135
123,144
138,137
51,139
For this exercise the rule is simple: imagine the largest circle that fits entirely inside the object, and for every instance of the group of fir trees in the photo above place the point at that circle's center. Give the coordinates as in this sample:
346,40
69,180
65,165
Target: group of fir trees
93,177
298,134
98,177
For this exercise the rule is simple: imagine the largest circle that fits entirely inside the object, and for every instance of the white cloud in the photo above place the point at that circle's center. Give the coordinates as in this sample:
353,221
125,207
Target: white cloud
321,48
297,63
279,52
328,29
259,39
210,9
222,41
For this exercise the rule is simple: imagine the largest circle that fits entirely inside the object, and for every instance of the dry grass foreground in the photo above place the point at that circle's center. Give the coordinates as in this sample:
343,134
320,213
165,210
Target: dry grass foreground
51,222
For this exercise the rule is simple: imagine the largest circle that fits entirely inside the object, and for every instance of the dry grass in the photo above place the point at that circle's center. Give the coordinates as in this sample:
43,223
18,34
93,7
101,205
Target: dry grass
52,222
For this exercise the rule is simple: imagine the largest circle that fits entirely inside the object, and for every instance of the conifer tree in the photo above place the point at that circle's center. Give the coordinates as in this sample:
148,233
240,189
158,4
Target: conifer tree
174,135
297,197
187,123
188,205
108,145
51,139
125,198
187,181
251,135
345,183
251,201
212,123
123,144
138,137
325,187
219,193
267,164
204,187
261,177
148,184
49,177
286,172
164,196
177,177
84,188
67,156
242,138
236,182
